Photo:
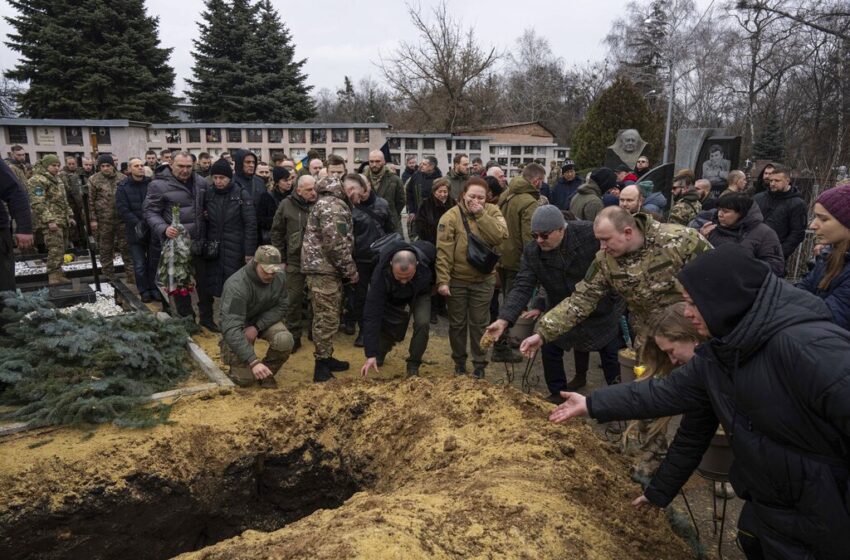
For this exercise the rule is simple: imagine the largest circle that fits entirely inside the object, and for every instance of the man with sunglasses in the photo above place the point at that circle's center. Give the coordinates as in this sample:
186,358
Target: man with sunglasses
558,258
642,167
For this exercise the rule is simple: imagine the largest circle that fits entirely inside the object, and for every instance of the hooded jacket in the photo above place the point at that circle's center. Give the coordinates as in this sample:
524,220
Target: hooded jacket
561,195
251,183
517,205
685,209
328,245
372,220
779,383
787,214
428,216
655,203
753,234
385,290
587,202
837,295
232,221
418,188
456,181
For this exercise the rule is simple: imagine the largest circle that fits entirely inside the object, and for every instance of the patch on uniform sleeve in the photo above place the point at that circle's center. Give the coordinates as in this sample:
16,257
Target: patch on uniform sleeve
441,227
38,191
342,228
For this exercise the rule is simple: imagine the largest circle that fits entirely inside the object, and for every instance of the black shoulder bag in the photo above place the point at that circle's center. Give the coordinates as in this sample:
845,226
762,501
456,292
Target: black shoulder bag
478,253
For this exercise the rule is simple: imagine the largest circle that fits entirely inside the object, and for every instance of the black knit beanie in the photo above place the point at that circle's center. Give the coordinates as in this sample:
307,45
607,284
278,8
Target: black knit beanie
604,177
105,158
221,167
724,284
279,173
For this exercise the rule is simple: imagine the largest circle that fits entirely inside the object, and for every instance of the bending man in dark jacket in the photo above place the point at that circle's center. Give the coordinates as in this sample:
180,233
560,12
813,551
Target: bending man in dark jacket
558,259
403,277
776,375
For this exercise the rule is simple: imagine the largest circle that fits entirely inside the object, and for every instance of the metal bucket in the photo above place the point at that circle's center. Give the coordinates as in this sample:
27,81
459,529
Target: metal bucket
627,366
718,458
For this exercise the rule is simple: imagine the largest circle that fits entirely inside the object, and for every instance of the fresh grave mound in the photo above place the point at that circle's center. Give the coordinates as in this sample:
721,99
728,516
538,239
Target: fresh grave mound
419,468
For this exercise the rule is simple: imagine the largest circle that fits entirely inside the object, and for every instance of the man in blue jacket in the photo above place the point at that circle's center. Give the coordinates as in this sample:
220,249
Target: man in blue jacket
776,375
565,189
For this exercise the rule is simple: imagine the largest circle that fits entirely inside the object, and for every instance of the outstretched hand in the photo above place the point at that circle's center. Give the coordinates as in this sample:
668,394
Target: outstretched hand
370,363
574,405
530,345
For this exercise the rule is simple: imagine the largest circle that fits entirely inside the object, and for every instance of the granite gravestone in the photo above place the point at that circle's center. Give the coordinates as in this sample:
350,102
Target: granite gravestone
626,149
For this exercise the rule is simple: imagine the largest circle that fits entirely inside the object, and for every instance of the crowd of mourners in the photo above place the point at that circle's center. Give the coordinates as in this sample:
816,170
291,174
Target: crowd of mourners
694,285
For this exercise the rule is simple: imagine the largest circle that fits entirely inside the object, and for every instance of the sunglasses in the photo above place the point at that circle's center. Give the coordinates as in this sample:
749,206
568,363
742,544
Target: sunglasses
542,236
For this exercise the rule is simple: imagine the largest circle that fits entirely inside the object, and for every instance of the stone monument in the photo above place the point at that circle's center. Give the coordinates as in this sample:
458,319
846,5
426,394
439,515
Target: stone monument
627,148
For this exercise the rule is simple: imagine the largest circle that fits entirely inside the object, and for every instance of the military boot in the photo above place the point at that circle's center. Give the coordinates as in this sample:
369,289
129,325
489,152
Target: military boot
322,372
57,277
577,382
337,365
275,359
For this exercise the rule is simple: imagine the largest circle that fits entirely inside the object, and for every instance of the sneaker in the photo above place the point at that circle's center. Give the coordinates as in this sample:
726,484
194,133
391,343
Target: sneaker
322,372
460,369
336,365
478,372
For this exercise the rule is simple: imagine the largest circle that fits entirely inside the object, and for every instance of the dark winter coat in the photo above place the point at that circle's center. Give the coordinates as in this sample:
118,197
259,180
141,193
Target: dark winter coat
655,203
751,232
418,188
287,230
269,202
837,295
251,183
385,290
563,192
779,384
129,202
558,271
787,214
166,192
14,194
232,221
428,217
372,220
587,202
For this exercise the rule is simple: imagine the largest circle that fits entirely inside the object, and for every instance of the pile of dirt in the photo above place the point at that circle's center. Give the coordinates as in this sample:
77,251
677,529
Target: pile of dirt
418,468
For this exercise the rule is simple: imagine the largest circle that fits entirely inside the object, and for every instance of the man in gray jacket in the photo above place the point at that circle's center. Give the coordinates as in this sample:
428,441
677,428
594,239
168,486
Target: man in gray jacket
253,304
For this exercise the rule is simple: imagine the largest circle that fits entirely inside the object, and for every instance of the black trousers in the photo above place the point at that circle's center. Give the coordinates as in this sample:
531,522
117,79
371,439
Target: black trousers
7,261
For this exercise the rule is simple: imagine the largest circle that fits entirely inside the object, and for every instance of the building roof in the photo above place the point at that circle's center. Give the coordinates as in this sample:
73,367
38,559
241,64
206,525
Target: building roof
162,126
494,127
109,123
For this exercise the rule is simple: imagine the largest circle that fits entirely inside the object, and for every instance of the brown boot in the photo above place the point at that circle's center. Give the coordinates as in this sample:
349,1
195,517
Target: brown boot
57,277
577,382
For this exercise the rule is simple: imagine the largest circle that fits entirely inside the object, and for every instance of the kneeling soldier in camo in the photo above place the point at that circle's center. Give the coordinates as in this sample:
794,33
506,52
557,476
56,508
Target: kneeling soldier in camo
253,304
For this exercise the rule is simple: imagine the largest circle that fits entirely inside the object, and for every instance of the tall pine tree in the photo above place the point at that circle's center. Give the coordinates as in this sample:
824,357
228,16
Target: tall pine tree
245,68
90,59
771,142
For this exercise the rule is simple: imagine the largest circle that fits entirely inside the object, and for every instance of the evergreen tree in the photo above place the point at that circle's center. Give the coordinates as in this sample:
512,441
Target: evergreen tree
244,67
771,143
618,107
92,59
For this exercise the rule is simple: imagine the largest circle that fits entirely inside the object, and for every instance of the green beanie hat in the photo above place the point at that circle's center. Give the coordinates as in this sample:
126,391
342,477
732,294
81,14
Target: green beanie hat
48,160
645,187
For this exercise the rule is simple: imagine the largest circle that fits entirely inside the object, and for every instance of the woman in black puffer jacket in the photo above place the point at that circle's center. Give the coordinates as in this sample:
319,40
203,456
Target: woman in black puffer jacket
231,222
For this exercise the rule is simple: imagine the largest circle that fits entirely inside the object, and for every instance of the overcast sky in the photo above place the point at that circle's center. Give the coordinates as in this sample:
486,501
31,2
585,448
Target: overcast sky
348,37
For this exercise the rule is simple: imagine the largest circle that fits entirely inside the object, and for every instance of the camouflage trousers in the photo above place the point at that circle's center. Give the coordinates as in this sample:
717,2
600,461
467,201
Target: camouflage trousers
648,444
326,295
280,346
55,241
111,238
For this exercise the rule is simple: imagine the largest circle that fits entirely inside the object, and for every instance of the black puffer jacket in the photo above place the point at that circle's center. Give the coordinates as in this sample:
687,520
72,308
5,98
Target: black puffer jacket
269,201
251,183
779,383
129,200
164,193
428,217
231,220
372,220
558,271
787,214
385,290
752,233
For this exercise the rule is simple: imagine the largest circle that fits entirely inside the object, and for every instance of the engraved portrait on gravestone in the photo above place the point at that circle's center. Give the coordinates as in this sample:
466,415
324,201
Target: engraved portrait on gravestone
627,148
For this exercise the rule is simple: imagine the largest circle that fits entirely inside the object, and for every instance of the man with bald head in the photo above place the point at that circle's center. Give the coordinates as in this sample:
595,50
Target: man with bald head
401,285
314,167
387,185
631,199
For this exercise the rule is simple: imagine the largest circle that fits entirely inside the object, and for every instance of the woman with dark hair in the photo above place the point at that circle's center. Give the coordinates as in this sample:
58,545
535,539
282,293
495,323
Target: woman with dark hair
830,278
467,287
737,219
269,201
432,209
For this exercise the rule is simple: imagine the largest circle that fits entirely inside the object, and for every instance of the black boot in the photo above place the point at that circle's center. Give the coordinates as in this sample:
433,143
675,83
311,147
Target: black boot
296,345
577,382
209,324
322,372
358,342
336,365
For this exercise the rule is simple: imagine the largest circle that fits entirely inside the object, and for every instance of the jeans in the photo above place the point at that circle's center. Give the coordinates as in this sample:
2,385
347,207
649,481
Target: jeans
143,268
553,363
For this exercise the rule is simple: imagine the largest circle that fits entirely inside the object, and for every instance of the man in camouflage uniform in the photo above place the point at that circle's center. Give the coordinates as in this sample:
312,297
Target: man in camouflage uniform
327,260
52,214
639,260
253,303
105,221
18,163
686,204
387,185
73,184
287,234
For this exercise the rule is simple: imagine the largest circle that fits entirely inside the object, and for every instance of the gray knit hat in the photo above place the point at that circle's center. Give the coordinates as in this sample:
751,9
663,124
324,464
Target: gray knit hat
547,218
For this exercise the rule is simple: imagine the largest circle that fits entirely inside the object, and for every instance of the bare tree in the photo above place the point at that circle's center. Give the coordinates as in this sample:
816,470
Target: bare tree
433,77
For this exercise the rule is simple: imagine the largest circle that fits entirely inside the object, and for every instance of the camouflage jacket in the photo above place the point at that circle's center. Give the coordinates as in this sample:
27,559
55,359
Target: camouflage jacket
685,209
48,200
73,185
102,190
328,246
21,171
644,279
